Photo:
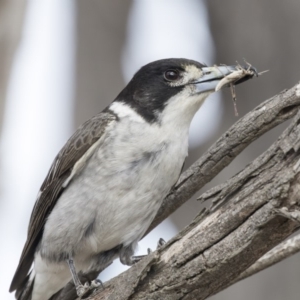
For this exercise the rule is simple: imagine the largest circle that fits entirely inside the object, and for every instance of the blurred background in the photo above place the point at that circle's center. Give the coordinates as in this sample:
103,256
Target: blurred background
61,62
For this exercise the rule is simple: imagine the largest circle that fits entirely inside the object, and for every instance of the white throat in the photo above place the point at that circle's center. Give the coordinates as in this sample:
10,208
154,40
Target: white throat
181,109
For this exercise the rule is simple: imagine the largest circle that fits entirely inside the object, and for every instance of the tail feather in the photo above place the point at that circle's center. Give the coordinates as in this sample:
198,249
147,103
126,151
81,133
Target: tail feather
24,291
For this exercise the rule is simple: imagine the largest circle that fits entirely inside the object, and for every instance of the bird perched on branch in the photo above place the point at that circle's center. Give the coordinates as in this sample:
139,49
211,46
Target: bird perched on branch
107,183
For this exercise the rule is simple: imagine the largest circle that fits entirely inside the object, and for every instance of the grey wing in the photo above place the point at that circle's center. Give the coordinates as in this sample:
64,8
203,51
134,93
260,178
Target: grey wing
77,146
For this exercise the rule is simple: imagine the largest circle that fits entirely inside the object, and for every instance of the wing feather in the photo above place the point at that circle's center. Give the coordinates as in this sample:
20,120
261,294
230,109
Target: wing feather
79,143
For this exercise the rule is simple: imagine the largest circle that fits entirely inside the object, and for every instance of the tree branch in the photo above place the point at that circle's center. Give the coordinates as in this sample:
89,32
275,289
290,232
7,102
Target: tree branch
215,249
277,254
263,118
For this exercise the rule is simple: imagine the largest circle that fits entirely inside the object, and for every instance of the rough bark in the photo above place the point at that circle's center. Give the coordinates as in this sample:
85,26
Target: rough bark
245,221
277,254
263,118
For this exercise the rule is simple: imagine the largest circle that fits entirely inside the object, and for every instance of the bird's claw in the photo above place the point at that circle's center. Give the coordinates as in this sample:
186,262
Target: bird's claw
96,283
83,289
137,258
160,243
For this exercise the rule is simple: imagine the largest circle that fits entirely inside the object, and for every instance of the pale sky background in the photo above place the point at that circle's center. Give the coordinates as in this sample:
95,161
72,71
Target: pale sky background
38,115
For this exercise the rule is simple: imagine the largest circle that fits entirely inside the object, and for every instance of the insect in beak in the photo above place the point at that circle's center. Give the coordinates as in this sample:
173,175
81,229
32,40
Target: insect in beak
235,77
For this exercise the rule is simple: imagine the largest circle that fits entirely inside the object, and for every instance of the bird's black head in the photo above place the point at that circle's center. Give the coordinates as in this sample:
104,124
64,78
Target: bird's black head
170,84
155,83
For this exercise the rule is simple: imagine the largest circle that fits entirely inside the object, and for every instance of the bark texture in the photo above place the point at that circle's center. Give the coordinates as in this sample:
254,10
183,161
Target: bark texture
251,213
263,118
277,254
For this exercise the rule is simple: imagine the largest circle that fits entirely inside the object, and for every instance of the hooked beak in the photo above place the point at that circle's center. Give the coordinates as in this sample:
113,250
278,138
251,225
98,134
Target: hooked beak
213,75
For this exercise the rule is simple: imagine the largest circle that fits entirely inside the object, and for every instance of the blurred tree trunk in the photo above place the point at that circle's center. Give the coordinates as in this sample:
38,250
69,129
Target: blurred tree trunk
11,20
101,34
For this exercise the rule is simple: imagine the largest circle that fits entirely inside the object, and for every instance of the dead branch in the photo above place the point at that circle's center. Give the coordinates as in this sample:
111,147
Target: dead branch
245,222
263,118
277,254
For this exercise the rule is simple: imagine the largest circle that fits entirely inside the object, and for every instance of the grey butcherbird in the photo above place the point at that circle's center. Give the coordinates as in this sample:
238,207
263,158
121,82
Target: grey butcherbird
107,183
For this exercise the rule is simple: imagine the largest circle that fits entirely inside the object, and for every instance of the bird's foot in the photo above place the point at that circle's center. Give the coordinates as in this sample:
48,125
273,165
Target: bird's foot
84,289
137,258
81,289
160,243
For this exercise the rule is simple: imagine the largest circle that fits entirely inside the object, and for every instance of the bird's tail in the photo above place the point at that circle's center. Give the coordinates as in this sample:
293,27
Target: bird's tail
24,292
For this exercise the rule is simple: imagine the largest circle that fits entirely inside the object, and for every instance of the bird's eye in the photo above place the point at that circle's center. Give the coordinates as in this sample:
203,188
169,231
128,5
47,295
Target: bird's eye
171,75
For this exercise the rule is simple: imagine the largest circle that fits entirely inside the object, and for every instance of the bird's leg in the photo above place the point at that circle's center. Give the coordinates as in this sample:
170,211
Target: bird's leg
80,288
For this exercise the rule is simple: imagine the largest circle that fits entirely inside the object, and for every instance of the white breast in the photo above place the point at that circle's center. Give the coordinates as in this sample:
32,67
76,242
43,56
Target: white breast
131,173
118,193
